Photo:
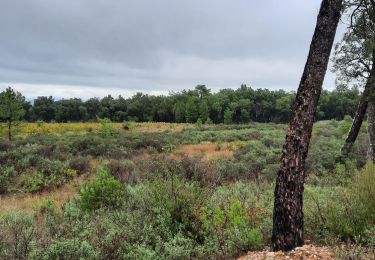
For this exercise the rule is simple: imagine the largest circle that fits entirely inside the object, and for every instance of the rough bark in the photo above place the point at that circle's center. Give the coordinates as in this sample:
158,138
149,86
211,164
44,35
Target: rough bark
371,130
288,215
360,114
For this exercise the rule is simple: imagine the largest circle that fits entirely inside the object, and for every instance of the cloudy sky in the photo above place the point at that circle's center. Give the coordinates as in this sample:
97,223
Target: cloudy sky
86,48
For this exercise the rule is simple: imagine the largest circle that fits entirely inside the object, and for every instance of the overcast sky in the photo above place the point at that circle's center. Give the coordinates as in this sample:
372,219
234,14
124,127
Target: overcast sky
86,48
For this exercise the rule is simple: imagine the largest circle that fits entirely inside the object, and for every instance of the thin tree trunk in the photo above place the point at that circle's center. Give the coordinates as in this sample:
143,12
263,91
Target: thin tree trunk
10,130
359,115
288,215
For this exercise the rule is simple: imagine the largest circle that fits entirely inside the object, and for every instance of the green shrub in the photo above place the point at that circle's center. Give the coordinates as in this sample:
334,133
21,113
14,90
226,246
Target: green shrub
48,174
343,213
121,170
66,249
31,182
81,164
46,206
17,232
107,128
236,219
364,186
103,192
6,176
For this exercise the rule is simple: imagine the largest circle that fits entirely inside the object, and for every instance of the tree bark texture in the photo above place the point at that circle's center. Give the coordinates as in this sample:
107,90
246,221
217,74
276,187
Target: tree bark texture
360,114
288,215
371,129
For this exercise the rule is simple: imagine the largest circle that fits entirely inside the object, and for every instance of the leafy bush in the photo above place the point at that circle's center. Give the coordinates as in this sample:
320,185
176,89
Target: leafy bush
121,170
48,174
17,231
344,213
236,218
6,175
103,192
106,129
81,164
32,182
66,249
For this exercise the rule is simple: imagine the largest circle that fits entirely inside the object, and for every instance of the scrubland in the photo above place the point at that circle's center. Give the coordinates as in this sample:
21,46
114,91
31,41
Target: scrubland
173,191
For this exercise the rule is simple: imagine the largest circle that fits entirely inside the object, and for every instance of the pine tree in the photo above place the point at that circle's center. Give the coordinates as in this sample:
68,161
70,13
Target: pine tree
288,227
204,110
11,108
191,110
179,112
228,116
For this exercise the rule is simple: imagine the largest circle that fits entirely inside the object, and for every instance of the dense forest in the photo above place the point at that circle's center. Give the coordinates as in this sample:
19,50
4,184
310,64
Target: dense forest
242,105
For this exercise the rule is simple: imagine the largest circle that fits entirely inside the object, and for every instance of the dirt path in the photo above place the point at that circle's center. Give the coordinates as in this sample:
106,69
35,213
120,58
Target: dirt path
304,252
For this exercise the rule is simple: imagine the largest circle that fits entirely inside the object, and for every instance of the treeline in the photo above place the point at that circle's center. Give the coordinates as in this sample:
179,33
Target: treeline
226,106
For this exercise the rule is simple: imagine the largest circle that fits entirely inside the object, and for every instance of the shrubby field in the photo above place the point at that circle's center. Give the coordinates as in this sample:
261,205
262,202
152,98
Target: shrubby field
172,191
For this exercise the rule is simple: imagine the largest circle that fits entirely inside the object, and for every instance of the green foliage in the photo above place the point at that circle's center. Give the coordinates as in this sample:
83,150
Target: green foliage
235,217
11,108
343,213
50,173
81,164
245,116
6,175
121,170
199,123
191,110
204,112
209,121
228,116
179,112
103,192
246,104
67,249
156,202
46,206
17,231
364,186
107,129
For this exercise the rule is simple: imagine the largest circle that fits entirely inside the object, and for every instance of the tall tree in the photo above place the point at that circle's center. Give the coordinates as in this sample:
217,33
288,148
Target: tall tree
191,113
11,108
353,62
228,116
204,111
44,108
288,214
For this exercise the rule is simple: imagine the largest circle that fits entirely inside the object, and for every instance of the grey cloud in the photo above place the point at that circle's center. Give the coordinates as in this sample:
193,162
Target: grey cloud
154,45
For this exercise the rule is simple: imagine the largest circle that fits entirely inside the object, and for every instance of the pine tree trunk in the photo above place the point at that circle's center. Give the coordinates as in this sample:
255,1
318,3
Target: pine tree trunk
371,129
288,215
360,114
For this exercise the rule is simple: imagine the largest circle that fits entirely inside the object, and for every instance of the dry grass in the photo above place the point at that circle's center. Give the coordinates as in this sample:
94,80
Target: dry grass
81,128
207,151
158,127
27,202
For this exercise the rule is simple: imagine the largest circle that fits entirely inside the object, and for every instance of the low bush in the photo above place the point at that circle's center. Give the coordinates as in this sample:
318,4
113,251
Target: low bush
237,217
103,192
81,164
6,176
17,232
342,213
121,170
48,174
66,249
